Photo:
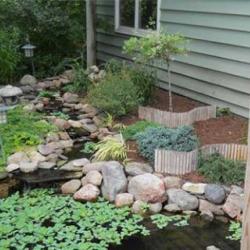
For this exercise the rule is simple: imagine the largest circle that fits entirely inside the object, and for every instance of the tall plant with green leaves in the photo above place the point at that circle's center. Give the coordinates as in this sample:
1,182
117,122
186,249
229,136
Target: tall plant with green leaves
162,47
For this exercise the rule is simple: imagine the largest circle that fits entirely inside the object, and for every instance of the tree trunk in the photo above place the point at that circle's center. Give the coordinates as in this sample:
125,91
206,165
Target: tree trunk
170,88
91,32
245,244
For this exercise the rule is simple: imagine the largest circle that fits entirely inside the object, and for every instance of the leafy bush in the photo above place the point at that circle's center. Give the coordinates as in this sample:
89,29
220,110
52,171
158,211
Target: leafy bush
23,129
40,219
115,94
89,148
218,169
179,139
130,131
110,148
9,55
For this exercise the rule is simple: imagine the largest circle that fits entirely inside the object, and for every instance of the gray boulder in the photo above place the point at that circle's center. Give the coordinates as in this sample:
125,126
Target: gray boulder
137,168
114,180
215,193
182,199
28,80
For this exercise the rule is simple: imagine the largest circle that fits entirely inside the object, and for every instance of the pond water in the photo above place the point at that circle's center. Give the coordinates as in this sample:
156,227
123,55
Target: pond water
197,236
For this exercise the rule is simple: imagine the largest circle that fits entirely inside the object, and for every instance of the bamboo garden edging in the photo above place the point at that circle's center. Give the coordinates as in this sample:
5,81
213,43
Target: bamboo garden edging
172,119
180,163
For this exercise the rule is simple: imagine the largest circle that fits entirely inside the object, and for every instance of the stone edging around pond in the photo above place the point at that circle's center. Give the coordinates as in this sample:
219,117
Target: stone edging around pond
180,163
172,119
137,186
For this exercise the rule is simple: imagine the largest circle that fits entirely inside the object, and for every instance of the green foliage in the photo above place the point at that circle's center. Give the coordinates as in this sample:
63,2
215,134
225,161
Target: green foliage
55,27
223,112
179,139
23,129
110,148
220,170
235,230
89,148
42,220
162,221
9,54
61,115
47,94
115,94
130,131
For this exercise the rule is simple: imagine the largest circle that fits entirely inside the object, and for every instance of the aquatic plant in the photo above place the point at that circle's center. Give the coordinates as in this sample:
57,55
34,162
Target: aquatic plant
41,219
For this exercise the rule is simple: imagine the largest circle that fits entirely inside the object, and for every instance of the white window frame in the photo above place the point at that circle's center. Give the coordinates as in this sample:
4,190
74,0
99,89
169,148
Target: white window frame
136,31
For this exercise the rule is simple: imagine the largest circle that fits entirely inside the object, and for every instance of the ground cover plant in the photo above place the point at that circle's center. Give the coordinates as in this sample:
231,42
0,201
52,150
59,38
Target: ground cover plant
220,170
40,219
23,129
179,139
235,230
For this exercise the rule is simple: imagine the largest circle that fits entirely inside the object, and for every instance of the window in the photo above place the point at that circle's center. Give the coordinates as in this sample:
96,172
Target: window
136,17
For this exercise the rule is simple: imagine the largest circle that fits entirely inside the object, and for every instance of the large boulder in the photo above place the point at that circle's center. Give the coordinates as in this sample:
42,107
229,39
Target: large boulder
138,168
215,193
70,187
194,188
28,80
114,180
89,192
234,205
148,188
182,199
94,177
208,206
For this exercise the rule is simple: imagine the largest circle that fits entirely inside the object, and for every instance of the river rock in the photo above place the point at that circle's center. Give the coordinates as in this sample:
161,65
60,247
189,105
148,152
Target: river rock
114,180
182,199
36,157
70,98
92,111
81,162
89,192
140,207
148,188
52,137
172,182
91,128
12,167
28,167
45,149
17,158
28,80
64,136
94,166
69,166
94,177
75,124
208,206
215,193
172,208
155,208
138,168
46,165
234,205
194,188
207,215
61,124
124,199
70,187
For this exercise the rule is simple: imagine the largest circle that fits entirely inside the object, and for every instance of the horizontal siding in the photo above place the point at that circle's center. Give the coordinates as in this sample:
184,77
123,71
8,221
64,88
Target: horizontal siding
217,68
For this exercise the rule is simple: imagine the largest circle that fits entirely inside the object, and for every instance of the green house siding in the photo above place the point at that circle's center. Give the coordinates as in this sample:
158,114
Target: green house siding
217,69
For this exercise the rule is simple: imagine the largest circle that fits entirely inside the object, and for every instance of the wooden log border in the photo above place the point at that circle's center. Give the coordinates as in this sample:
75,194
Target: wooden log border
172,119
180,163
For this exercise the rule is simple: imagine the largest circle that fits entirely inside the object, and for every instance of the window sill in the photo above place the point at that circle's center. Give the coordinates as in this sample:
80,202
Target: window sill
133,32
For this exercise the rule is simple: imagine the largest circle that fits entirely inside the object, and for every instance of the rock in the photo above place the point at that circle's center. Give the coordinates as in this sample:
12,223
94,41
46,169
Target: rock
39,106
94,166
137,168
52,158
46,165
28,167
89,192
69,74
70,98
64,136
28,80
148,188
10,91
87,108
70,187
124,199
12,167
29,107
75,124
61,124
114,180
84,181
91,128
172,182
194,188
45,149
207,215
52,137
69,166
182,199
155,208
81,162
17,158
3,175
190,212
172,208
94,177
212,248
140,207
236,190
208,206
215,193
36,157
63,144
234,205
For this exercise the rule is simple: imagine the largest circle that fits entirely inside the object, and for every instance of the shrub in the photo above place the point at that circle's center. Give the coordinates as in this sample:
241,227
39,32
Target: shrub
179,139
89,148
218,169
115,94
130,131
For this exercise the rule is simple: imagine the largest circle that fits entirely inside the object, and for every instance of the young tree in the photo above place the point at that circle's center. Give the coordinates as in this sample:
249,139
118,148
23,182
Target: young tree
160,47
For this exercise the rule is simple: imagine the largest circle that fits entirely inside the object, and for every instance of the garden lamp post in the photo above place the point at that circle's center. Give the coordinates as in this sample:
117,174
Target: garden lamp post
29,53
